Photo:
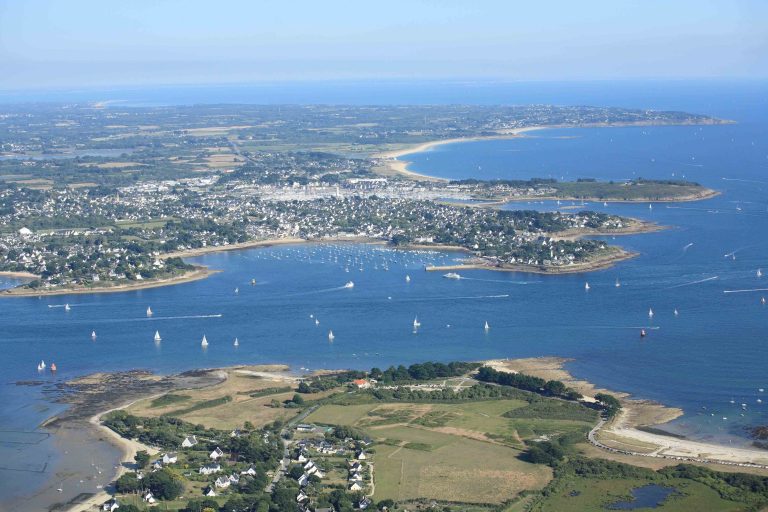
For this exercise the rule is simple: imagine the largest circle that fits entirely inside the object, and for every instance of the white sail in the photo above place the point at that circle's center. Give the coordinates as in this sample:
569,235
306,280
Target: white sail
586,286
66,307
407,278
349,284
204,342
317,322
676,312
486,326
416,322
149,311
237,343
157,336
618,284
330,336
93,335
759,273
650,313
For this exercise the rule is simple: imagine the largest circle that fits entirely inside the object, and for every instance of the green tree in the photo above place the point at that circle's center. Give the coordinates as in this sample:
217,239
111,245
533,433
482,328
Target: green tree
141,458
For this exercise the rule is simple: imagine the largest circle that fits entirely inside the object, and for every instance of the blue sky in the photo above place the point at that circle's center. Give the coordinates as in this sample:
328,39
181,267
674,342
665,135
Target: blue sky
58,43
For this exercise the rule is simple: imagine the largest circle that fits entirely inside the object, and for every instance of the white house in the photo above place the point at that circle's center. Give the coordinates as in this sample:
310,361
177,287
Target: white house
189,442
301,458
309,465
355,486
216,454
149,498
222,482
170,458
250,471
361,455
234,479
27,232
301,497
209,492
303,480
210,469
110,506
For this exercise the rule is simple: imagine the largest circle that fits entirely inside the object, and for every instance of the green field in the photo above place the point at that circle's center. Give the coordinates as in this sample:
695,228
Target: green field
466,452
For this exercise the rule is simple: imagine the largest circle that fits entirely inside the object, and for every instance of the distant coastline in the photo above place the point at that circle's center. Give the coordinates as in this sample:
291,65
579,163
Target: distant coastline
393,166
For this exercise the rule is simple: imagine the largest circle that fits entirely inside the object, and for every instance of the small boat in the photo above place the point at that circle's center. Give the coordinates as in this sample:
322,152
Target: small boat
452,275
93,335
157,336
650,207
330,336
253,282
762,300
642,333
486,326
204,343
416,323
149,311
759,273
66,307
349,284
41,366
676,312
237,290
650,313
605,204
407,278
586,286
53,367
317,322
618,284
236,343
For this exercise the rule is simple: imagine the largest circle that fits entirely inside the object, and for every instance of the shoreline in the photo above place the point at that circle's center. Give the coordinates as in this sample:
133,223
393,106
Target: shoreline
198,273
594,264
625,437
400,167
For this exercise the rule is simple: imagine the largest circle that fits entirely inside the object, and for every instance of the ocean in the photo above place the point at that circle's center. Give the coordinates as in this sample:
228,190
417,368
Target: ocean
711,353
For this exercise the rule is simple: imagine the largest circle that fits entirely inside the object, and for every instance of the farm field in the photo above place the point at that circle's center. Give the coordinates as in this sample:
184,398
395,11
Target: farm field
465,452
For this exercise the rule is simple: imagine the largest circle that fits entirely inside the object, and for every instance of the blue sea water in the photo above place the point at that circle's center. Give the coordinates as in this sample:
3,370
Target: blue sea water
713,352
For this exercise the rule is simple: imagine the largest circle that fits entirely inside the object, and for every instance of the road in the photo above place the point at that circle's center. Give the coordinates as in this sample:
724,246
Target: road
286,460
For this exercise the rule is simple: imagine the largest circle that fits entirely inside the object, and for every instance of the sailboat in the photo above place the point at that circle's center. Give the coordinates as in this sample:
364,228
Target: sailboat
41,366
66,307
486,326
676,312
416,323
650,313
53,367
618,284
204,343
253,282
350,284
317,322
157,336
759,273
330,336
586,286
237,290
149,311
642,333
762,300
236,343
93,335
407,278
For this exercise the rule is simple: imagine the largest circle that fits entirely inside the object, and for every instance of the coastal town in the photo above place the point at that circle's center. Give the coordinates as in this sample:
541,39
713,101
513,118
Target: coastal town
94,198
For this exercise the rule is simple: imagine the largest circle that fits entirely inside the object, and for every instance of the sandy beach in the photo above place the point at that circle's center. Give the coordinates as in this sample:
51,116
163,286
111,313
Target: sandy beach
393,165
624,435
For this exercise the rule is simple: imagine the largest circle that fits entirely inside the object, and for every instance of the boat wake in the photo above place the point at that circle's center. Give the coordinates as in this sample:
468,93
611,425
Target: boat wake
497,281
693,282
747,290
460,297
183,317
